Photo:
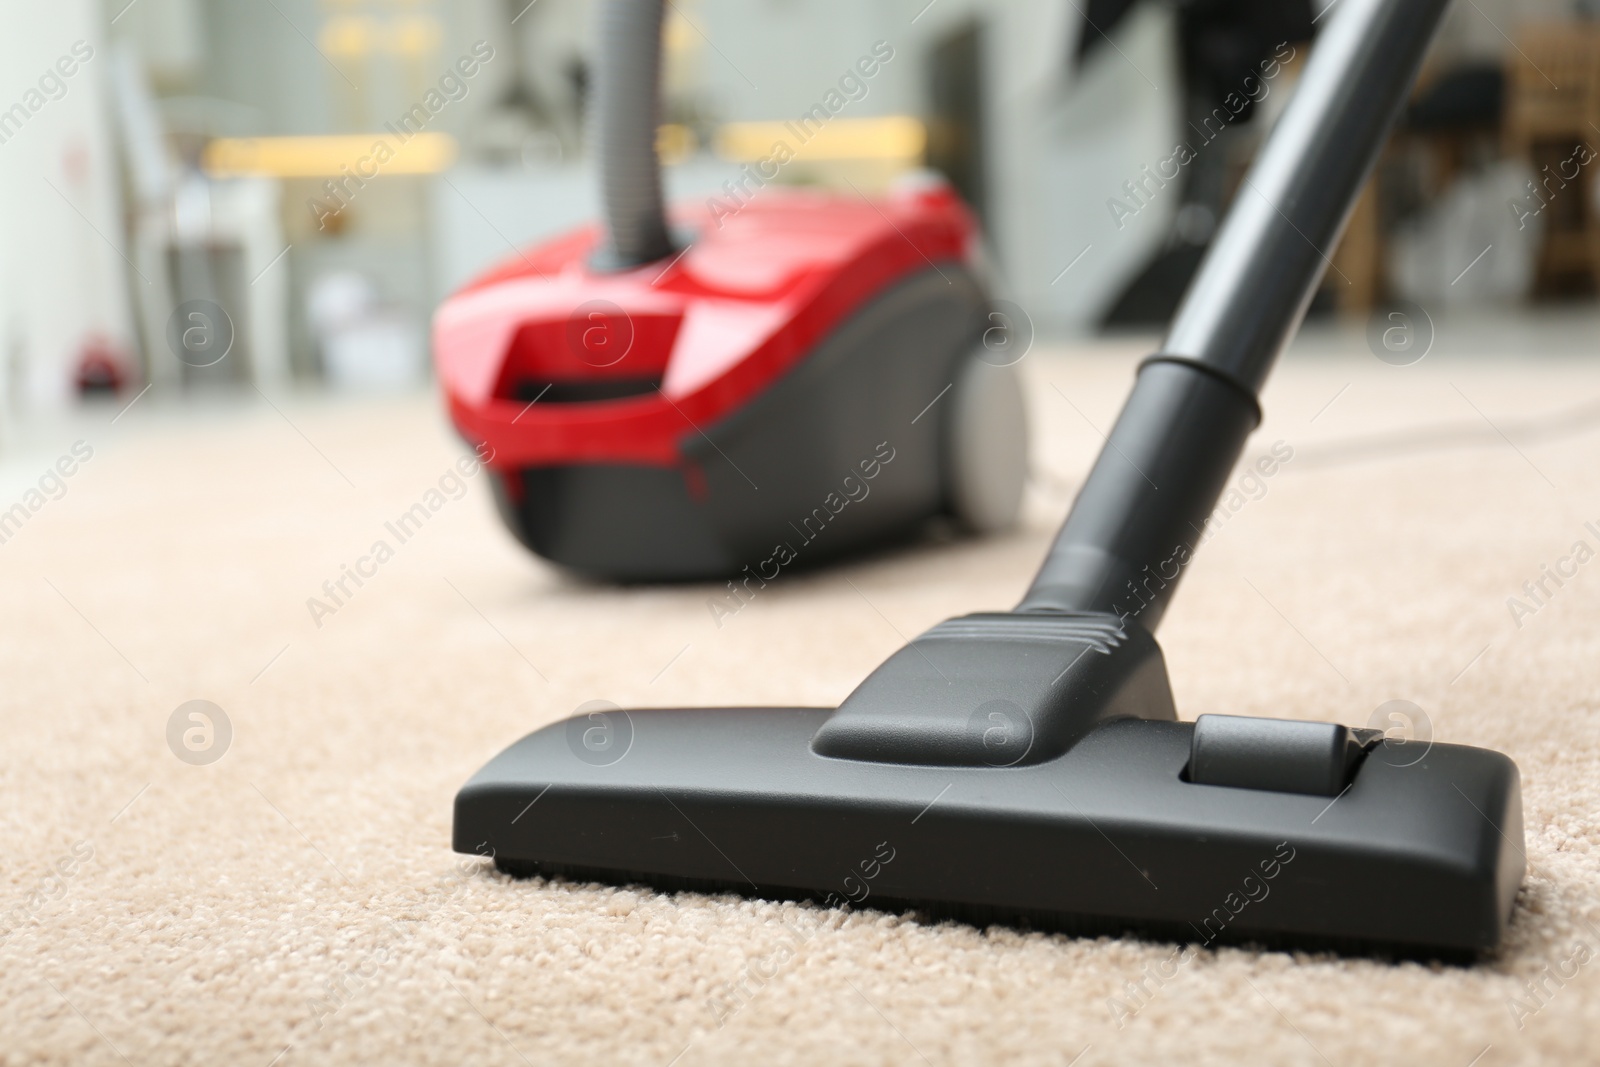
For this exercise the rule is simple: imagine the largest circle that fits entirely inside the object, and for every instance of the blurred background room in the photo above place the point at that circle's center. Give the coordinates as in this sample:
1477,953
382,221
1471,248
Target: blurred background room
162,152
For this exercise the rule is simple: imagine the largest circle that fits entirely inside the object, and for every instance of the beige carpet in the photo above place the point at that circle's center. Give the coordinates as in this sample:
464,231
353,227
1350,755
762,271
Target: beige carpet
296,901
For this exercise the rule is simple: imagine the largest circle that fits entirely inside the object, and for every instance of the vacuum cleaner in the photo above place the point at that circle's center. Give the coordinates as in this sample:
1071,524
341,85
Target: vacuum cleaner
678,398
1029,766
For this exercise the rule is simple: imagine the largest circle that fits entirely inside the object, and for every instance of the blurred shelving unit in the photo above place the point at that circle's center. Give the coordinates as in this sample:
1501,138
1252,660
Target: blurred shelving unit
1553,122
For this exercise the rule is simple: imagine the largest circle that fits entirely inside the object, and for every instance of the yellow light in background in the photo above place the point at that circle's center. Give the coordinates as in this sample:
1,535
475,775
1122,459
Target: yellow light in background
347,35
897,138
322,157
416,35
675,143
359,35
678,34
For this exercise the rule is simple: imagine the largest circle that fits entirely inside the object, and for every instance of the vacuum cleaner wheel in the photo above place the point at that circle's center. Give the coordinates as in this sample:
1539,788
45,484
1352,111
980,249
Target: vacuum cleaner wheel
504,491
987,457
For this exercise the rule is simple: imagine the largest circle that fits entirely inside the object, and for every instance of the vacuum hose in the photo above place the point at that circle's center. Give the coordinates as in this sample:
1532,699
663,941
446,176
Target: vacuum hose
625,111
1143,510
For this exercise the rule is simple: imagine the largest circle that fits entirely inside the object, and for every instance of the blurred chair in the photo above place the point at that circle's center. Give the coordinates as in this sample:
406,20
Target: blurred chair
1450,129
1553,111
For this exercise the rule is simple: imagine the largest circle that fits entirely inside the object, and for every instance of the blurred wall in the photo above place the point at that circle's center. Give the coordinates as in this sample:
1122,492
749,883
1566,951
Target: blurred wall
63,280
1057,140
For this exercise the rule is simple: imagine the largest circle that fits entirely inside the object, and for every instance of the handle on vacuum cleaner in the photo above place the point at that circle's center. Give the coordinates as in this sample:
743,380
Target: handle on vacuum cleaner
623,116
1145,503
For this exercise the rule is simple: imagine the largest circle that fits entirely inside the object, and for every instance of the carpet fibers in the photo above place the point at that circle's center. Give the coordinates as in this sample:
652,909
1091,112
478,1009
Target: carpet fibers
294,900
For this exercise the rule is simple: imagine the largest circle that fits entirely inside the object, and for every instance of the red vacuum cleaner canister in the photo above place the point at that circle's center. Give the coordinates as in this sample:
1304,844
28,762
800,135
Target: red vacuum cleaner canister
806,378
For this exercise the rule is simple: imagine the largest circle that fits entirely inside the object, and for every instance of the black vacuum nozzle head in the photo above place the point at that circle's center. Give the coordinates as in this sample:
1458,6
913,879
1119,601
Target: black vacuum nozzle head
1079,804
1000,690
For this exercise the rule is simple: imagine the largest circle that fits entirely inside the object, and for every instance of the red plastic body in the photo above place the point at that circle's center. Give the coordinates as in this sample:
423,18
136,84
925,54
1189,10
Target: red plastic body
691,339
